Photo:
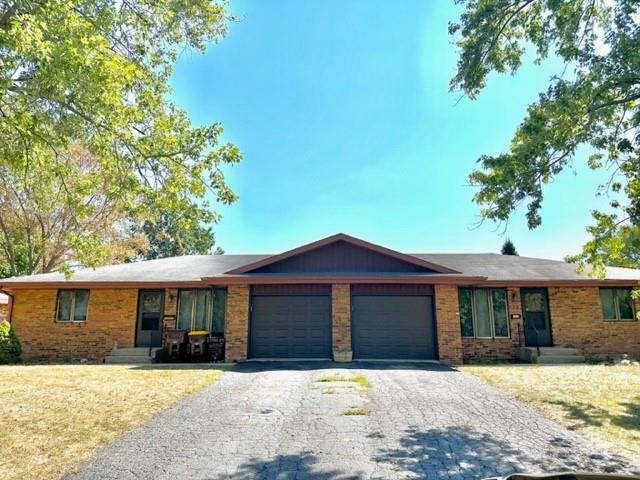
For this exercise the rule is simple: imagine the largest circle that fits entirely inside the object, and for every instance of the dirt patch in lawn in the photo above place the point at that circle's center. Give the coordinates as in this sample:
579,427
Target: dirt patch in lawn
601,401
54,416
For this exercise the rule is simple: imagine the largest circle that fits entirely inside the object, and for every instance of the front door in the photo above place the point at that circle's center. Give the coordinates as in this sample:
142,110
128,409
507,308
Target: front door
150,312
537,327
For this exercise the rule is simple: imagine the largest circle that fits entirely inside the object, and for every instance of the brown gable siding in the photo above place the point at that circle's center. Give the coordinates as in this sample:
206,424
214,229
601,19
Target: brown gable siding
340,256
291,289
340,239
391,289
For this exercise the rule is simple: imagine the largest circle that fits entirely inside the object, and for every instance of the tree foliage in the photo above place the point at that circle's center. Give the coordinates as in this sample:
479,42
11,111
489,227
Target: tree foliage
593,102
173,235
40,233
508,248
94,74
620,249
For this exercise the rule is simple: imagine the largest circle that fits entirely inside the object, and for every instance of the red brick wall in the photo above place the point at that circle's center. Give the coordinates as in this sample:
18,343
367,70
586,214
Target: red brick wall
448,324
111,318
341,317
237,325
487,349
576,320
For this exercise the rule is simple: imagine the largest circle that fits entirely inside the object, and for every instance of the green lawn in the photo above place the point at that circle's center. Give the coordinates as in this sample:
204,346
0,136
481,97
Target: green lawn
603,402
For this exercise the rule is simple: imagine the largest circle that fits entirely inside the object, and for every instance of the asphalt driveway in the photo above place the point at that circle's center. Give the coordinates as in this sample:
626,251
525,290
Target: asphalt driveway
276,421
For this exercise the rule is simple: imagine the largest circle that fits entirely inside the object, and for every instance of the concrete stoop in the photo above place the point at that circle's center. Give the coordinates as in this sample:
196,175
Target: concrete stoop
549,355
130,356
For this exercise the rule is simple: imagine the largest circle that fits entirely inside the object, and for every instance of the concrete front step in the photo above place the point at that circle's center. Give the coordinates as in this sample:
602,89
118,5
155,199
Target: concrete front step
132,352
131,355
127,360
549,355
554,359
558,351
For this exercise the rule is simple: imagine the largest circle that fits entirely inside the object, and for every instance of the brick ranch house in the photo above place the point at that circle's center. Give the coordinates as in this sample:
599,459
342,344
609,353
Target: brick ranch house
334,298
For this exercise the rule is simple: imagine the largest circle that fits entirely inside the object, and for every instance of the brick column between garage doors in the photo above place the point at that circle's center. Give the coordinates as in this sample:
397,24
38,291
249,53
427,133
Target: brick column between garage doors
237,323
341,322
448,324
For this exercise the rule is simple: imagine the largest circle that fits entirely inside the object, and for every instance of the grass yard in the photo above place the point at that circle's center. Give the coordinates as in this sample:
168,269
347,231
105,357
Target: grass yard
603,402
54,416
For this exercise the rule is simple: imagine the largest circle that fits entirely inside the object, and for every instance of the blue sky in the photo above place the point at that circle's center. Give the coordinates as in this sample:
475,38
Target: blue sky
342,111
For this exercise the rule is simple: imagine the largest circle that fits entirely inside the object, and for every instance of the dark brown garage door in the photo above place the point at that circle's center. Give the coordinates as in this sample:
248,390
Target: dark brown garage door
290,326
393,326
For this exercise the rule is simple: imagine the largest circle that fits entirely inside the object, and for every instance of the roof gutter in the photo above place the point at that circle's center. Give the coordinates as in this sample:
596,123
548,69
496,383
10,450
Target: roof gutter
473,281
586,282
343,279
101,284
224,280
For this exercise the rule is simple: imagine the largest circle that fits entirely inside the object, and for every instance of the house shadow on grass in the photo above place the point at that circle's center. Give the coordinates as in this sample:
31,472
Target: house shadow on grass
460,452
288,467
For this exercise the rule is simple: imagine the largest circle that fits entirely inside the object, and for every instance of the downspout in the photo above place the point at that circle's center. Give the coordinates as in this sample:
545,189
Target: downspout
11,302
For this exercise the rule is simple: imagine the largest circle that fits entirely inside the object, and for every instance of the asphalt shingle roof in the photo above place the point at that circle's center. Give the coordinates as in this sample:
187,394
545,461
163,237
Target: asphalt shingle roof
192,268
511,267
183,269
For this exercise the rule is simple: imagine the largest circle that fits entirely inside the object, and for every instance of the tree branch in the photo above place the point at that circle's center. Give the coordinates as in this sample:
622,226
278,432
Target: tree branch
8,14
493,43
620,101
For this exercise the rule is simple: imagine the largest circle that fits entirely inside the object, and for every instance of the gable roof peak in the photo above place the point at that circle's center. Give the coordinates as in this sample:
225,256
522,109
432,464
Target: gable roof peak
344,238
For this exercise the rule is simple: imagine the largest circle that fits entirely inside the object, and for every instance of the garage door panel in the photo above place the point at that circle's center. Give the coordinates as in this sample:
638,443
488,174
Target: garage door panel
290,326
388,326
